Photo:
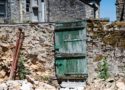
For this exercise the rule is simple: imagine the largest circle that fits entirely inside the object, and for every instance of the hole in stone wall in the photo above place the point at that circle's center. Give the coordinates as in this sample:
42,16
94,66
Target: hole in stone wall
4,49
33,58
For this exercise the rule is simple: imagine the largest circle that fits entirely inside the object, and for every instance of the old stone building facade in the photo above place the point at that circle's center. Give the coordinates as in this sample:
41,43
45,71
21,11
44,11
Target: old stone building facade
20,11
68,10
120,10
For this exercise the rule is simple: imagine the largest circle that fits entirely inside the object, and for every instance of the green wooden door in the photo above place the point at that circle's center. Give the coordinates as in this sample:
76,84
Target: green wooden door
70,49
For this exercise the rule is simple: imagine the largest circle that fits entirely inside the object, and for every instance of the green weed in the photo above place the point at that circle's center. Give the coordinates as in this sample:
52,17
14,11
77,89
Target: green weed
103,70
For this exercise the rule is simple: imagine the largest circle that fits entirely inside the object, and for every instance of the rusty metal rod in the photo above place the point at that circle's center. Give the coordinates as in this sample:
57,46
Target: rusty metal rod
17,49
15,52
17,43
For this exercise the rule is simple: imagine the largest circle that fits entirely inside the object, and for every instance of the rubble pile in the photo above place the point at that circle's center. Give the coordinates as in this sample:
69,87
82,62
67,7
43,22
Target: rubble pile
117,83
25,85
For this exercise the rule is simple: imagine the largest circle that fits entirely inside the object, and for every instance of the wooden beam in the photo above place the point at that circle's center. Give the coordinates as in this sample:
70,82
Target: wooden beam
71,55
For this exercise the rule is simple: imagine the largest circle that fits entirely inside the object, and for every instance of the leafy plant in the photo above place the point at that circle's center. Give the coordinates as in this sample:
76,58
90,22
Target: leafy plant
27,21
46,77
103,70
37,77
23,71
14,21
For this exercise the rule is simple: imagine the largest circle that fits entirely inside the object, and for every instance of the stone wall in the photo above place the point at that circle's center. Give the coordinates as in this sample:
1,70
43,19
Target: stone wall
103,40
106,40
37,50
15,12
69,10
120,11
55,10
12,12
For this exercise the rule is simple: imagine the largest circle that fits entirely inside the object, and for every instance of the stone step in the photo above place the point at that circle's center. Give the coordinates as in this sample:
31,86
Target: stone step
72,85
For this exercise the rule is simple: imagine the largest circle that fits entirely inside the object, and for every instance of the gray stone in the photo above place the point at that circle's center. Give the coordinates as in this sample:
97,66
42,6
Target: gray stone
55,10
3,86
26,86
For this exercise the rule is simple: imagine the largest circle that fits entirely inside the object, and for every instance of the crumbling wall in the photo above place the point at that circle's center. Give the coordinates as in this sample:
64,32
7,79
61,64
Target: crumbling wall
106,40
37,49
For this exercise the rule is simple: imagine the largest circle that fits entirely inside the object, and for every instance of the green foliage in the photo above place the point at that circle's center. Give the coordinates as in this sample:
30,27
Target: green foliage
37,77
27,21
23,71
14,21
103,70
46,77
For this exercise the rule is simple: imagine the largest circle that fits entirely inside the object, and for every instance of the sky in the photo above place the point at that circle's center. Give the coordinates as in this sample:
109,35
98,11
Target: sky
108,9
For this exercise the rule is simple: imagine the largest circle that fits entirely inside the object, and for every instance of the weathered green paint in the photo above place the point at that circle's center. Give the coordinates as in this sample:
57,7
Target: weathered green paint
70,49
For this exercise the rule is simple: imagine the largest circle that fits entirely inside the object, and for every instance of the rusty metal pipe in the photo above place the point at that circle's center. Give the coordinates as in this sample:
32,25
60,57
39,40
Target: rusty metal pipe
17,43
15,60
